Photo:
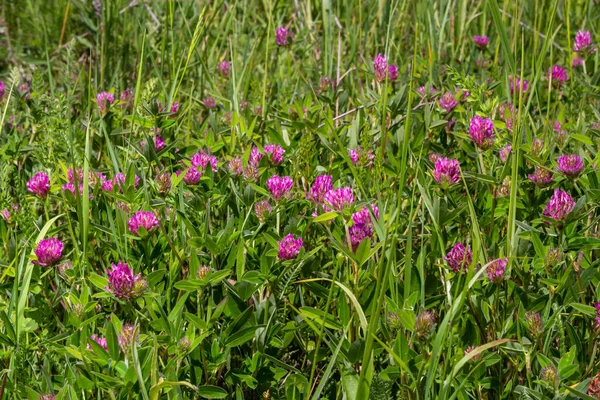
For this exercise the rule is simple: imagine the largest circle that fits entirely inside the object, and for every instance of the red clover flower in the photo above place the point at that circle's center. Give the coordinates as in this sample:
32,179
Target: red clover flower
142,219
318,190
446,171
48,252
104,100
481,132
559,206
280,187
123,284
570,165
339,199
39,184
289,247
459,258
496,269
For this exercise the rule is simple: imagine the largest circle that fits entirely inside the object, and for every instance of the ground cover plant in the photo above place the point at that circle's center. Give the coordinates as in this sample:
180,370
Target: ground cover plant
299,200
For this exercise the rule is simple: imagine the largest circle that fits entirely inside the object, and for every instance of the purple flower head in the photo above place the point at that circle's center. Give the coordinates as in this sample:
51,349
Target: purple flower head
459,258
289,247
71,188
100,340
2,89
48,252
495,270
223,68
559,206
481,132
275,153
159,143
127,336
262,209
380,66
363,226
251,172
39,184
446,171
556,126
209,102
481,41
104,100
123,284
174,109
356,154
358,233
339,199
126,98
107,185
558,75
282,36
392,72
506,115
570,165
464,93
145,219
363,217
119,180
280,187
255,156
577,62
318,190
5,214
518,85
583,42
71,175
192,176
447,102
541,177
504,153
202,159
235,166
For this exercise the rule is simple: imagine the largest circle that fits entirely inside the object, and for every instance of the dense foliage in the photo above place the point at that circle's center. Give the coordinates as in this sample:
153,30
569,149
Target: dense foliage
290,200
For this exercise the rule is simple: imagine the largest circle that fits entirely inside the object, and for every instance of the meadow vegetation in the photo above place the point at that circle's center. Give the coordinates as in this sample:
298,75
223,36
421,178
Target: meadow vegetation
299,200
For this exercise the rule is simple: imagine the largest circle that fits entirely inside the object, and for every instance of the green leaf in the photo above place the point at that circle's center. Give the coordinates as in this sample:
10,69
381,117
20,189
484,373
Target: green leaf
328,216
321,317
241,337
584,308
240,264
565,365
582,138
407,318
156,389
99,281
212,392
112,342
